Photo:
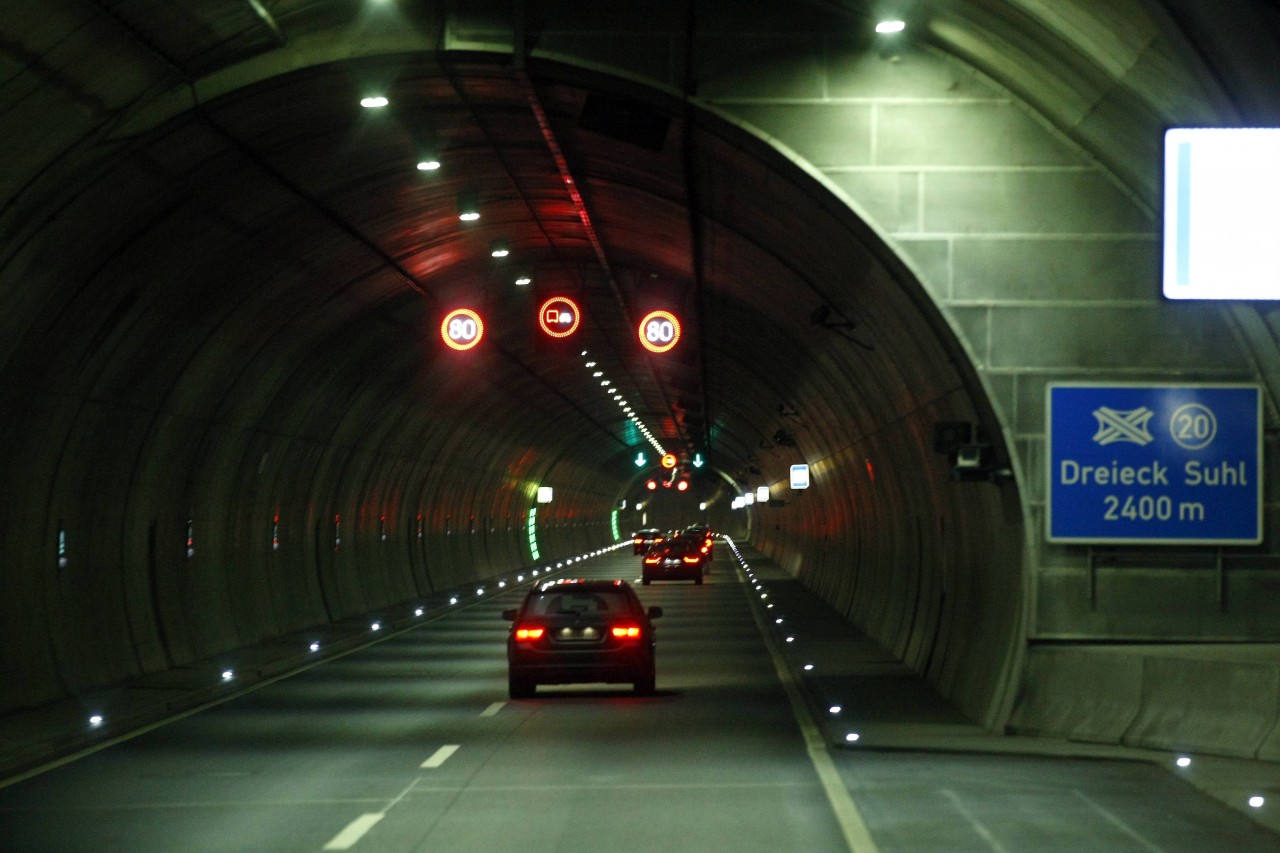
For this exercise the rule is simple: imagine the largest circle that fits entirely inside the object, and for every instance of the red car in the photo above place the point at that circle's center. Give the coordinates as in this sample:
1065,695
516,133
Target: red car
579,632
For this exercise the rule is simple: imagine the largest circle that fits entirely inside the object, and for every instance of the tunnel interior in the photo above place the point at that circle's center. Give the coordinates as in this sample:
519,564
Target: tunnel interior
238,414
231,283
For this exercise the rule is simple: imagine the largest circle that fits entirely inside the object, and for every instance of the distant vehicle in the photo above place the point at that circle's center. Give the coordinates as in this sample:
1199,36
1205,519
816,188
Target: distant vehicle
643,540
704,532
583,631
679,558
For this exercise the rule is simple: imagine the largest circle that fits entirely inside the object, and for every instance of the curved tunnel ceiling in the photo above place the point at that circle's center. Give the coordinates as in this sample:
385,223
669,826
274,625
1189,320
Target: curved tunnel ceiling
302,223
276,250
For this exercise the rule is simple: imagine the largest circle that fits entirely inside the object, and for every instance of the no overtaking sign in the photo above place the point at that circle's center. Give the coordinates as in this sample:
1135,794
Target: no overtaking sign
1154,464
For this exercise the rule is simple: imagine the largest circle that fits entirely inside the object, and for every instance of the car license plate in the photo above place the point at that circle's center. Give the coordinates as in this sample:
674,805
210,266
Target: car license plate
583,634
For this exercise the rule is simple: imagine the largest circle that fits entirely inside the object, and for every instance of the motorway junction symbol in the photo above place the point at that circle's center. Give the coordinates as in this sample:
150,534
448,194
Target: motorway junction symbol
1153,464
1123,426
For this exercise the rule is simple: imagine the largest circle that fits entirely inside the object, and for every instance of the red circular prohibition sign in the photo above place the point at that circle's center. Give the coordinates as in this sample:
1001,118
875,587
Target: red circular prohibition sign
461,329
659,331
559,316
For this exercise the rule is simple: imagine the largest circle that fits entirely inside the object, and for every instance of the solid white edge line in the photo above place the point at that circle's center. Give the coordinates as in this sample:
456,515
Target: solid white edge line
1118,823
978,826
353,832
440,756
856,835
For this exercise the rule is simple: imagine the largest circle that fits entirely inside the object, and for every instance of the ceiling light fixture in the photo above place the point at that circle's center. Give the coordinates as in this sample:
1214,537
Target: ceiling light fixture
374,102
428,165
891,26
468,205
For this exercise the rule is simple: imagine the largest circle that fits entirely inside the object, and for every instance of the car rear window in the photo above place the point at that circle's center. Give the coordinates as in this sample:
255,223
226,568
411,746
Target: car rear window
565,602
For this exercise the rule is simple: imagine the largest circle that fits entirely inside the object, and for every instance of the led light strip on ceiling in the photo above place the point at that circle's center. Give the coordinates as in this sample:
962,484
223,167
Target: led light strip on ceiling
612,390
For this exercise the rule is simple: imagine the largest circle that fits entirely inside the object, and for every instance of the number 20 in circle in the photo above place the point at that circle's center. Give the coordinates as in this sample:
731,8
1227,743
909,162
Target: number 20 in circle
462,329
659,331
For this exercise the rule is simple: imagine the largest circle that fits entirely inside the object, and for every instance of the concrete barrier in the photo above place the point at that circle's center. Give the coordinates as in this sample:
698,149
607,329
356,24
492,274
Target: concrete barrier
1218,705
1216,699
1079,694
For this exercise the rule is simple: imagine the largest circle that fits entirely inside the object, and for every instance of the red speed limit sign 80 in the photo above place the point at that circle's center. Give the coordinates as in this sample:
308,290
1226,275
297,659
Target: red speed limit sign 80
659,331
462,328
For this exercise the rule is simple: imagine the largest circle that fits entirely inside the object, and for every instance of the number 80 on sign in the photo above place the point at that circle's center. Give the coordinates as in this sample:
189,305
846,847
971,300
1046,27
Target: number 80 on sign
461,329
659,331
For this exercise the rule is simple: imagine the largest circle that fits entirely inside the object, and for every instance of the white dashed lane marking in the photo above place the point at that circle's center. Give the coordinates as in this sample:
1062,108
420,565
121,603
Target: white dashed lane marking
440,756
353,832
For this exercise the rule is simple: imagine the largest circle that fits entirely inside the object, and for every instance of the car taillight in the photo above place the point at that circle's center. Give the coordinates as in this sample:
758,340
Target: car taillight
626,632
639,540
692,559
530,633
652,559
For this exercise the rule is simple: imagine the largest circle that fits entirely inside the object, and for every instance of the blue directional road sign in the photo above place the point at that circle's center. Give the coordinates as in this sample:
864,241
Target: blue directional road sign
1154,464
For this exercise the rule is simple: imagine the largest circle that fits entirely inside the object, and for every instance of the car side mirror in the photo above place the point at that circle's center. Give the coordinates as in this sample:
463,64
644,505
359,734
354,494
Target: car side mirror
509,615
655,612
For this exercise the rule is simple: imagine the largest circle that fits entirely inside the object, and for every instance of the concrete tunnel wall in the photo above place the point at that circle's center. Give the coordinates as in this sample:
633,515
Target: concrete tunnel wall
130,601
1046,266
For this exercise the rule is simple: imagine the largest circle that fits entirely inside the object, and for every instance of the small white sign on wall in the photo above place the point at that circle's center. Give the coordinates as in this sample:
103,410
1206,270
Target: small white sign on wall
799,476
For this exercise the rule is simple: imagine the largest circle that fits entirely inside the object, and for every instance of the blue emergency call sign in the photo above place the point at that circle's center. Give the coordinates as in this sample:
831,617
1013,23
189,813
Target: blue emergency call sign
1154,464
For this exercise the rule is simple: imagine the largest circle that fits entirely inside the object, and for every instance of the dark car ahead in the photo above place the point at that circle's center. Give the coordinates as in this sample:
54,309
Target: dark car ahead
643,540
678,558
708,537
580,631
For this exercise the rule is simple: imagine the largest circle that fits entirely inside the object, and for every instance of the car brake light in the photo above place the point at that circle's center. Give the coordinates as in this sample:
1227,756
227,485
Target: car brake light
530,633
652,559
692,558
629,632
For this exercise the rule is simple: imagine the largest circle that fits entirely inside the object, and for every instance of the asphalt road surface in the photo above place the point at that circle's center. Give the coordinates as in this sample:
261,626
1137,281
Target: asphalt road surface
411,744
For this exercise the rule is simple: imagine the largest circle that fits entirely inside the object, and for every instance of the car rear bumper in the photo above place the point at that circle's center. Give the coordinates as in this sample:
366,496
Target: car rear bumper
671,573
580,667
